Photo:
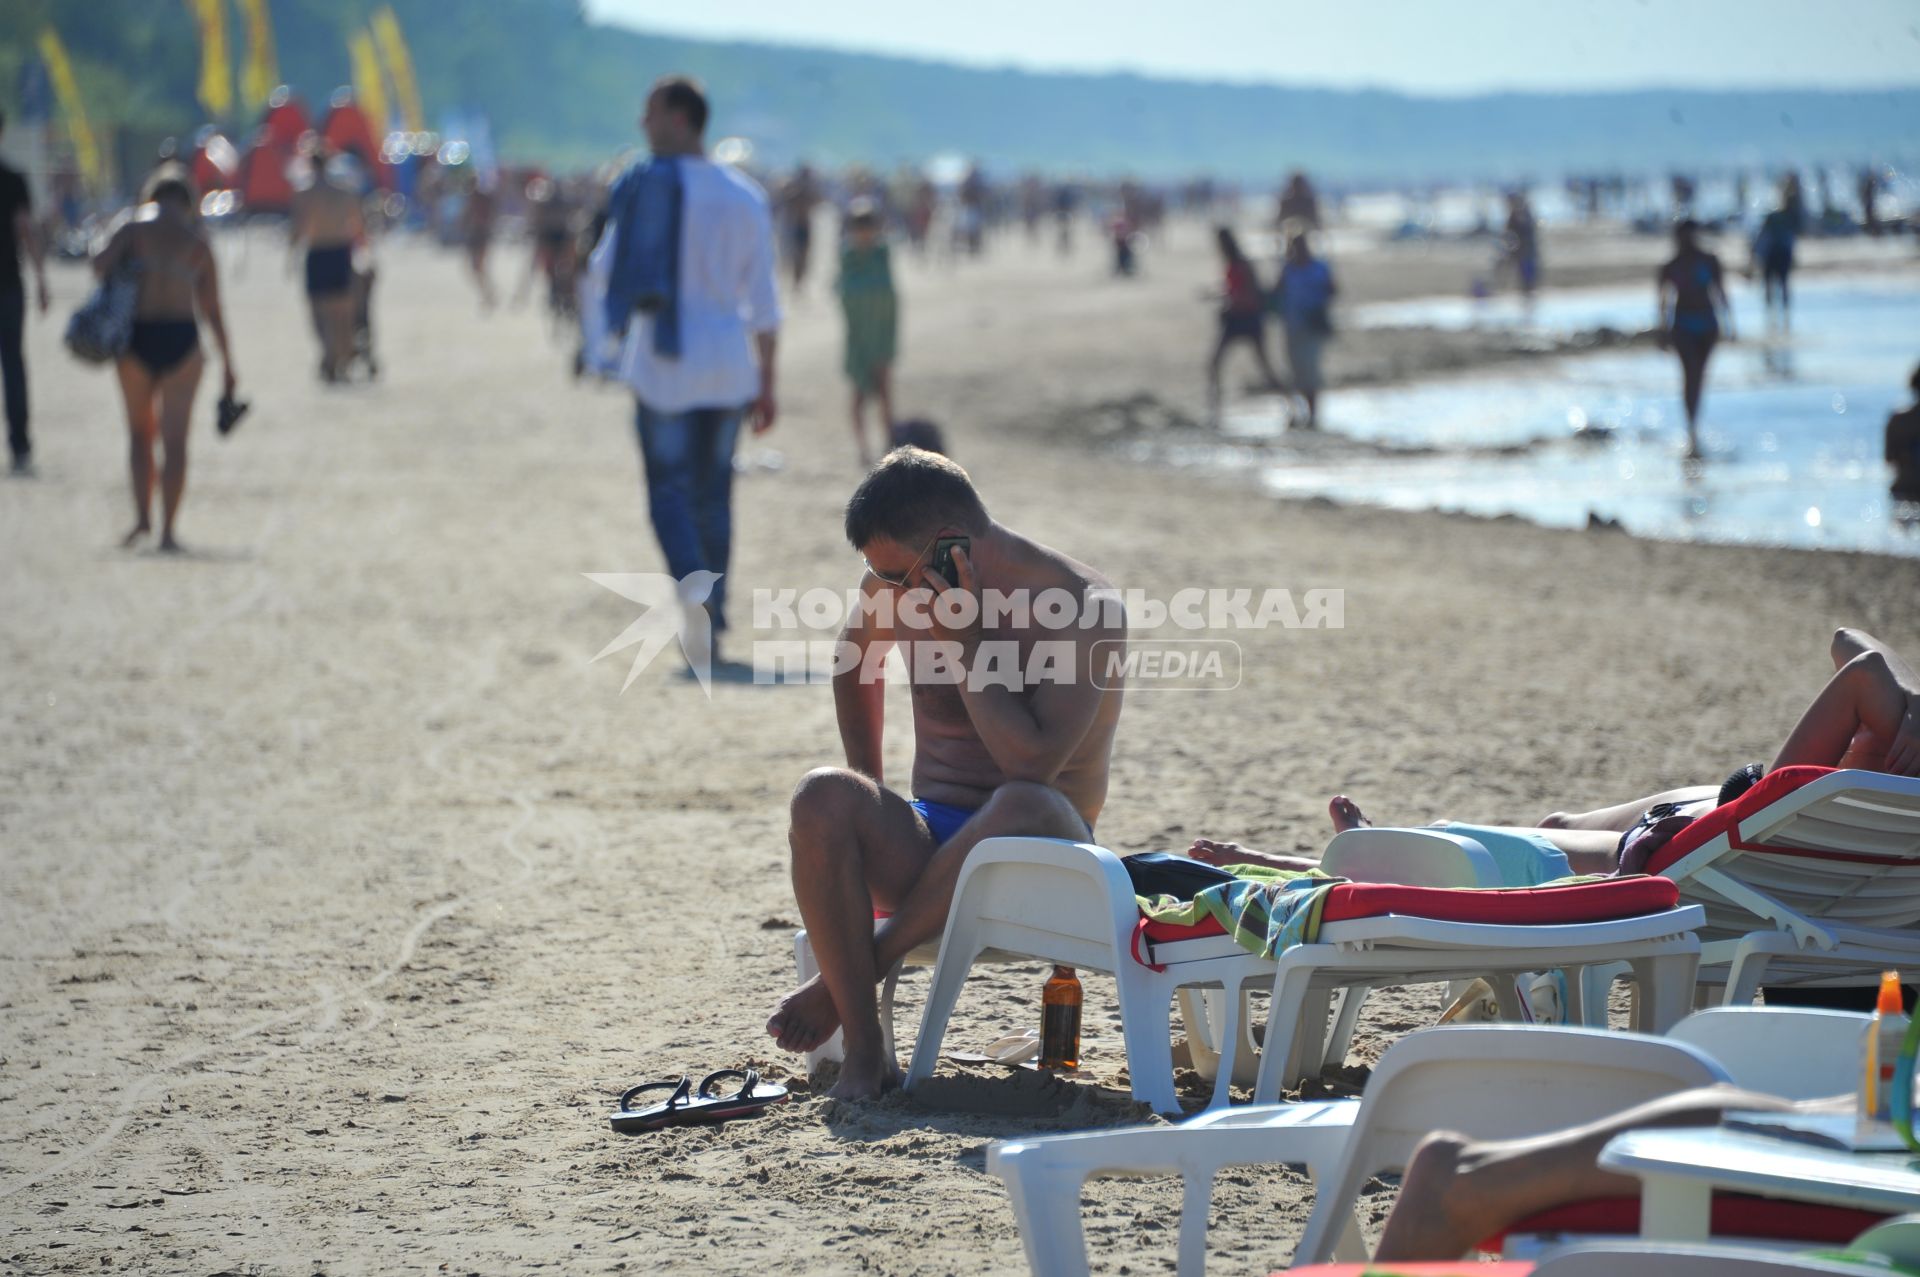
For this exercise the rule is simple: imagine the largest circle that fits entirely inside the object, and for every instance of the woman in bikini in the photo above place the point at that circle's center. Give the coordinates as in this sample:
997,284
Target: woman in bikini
1867,717
1693,298
160,371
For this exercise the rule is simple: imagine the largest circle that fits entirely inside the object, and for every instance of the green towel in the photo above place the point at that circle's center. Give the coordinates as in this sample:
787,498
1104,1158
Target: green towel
1264,910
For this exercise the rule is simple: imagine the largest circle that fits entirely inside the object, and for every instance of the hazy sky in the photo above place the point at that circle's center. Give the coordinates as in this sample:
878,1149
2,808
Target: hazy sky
1419,46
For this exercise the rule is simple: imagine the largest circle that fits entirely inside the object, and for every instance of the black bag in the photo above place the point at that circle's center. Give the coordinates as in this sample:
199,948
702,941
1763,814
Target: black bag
1161,873
99,331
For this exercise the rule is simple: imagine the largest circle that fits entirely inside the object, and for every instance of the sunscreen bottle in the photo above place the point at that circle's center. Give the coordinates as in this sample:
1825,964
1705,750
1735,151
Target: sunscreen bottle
1879,1049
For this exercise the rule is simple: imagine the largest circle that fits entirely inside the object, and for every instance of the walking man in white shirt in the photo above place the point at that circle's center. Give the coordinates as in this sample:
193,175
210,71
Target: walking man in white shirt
726,306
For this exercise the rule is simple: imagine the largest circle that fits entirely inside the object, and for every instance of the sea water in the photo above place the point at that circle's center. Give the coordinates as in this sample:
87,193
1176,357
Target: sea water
1793,424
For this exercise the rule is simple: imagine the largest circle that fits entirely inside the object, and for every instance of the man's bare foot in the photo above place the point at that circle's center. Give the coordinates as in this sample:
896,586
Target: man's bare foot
862,1078
1347,814
1218,853
804,1019
132,538
170,546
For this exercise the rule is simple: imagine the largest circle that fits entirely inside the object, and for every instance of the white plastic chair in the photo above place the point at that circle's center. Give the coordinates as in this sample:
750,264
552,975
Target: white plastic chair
1798,1053
1488,1081
1049,900
1821,886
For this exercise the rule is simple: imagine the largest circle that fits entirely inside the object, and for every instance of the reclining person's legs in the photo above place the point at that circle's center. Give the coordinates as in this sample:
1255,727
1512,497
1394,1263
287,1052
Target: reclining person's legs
1457,1192
1854,720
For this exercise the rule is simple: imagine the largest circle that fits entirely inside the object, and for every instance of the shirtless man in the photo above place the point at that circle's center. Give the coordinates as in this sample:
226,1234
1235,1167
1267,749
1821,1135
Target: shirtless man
989,760
327,218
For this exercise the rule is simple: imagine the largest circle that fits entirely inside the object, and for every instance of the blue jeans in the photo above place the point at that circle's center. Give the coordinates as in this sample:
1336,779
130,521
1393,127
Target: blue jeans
688,457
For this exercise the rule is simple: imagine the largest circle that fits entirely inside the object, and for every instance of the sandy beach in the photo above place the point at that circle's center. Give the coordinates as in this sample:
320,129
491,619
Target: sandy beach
341,895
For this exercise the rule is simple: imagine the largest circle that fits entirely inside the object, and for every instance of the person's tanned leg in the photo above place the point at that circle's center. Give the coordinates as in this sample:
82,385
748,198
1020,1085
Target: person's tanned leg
336,318
1624,816
176,408
1457,1192
1851,721
850,855
856,845
136,388
1017,808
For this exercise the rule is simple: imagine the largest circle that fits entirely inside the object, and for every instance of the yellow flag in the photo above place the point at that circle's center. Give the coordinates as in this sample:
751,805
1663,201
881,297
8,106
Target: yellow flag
60,71
368,93
261,73
393,47
216,78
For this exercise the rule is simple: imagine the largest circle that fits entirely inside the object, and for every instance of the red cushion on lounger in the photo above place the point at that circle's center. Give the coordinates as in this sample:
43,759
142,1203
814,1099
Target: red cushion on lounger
1458,1268
1507,906
1734,1215
1772,787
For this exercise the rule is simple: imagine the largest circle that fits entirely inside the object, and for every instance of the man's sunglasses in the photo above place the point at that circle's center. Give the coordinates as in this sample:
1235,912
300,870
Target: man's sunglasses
905,579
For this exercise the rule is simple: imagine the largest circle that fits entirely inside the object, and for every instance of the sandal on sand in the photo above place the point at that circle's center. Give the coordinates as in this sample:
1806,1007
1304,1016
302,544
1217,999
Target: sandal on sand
685,1107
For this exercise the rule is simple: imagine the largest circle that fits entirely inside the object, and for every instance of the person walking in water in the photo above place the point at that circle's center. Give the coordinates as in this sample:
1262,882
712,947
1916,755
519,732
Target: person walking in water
1772,252
686,269
1693,298
1243,315
872,311
166,247
1304,297
1520,246
17,237
328,220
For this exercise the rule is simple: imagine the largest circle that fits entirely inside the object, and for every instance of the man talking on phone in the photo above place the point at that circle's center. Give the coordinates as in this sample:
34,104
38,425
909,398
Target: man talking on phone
1013,728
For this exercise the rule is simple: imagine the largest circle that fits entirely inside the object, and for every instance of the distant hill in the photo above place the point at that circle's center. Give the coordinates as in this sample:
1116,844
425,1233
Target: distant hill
561,90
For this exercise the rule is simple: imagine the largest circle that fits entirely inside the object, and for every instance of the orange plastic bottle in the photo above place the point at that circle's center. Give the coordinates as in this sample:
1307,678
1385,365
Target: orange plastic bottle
1881,1047
1060,1020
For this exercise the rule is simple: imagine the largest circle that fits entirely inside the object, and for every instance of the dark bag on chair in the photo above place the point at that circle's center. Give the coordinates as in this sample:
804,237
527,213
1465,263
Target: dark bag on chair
1160,873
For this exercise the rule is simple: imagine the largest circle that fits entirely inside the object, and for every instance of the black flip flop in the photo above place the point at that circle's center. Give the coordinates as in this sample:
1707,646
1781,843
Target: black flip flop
685,1107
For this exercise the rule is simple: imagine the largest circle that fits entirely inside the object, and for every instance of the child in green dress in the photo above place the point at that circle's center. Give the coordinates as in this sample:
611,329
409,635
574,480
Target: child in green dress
872,310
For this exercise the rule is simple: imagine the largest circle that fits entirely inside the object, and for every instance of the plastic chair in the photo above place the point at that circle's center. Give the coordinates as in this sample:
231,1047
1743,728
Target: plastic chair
1799,1053
1489,1081
1810,877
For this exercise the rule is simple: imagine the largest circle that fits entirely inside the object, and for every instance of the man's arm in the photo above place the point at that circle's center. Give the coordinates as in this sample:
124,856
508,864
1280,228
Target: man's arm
208,291
763,314
1030,737
859,702
28,238
764,407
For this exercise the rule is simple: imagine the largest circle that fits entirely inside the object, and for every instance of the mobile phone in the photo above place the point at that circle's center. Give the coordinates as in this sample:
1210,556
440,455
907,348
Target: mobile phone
942,560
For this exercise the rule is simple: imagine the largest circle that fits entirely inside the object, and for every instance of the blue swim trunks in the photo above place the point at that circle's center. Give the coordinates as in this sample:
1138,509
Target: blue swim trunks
1523,859
943,819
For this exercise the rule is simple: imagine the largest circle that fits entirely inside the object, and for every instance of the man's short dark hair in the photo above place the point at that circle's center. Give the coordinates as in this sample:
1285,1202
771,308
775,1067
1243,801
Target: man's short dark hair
910,495
683,93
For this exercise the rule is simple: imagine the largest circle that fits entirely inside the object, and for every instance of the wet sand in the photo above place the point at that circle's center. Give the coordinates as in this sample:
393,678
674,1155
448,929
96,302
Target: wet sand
341,894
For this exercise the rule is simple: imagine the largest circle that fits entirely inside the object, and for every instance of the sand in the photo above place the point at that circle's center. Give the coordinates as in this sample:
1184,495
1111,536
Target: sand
341,894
